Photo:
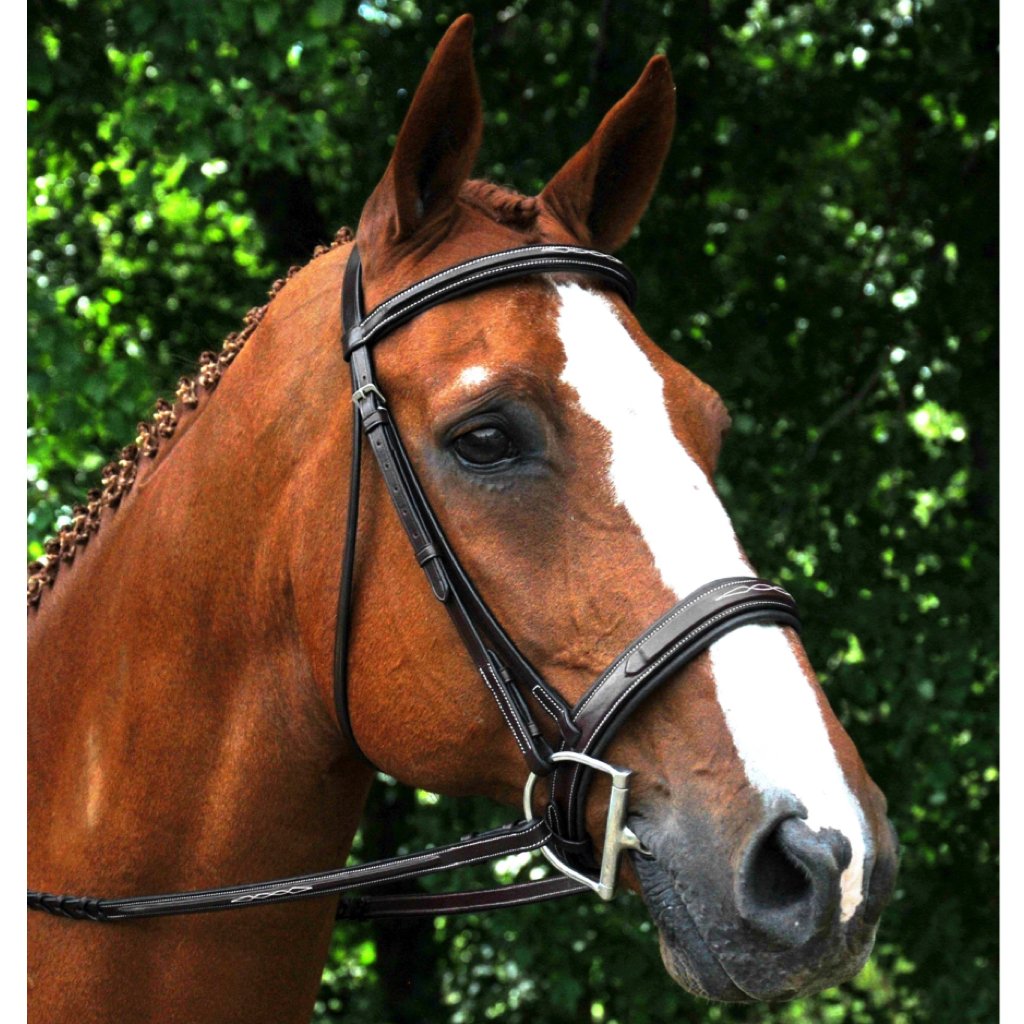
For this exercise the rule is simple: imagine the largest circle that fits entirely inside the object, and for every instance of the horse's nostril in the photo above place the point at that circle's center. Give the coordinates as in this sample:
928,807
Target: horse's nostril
774,878
788,885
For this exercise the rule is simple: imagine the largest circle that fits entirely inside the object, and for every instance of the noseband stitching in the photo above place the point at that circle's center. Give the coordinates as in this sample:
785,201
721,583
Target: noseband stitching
647,636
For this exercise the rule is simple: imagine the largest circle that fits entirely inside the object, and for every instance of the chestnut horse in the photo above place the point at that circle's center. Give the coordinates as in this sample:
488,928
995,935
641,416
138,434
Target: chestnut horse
182,730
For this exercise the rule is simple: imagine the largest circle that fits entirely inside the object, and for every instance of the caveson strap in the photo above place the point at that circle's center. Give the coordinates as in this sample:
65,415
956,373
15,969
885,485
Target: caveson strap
675,639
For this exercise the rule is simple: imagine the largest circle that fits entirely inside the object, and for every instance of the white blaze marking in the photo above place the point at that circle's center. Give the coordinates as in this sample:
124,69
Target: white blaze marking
473,375
769,707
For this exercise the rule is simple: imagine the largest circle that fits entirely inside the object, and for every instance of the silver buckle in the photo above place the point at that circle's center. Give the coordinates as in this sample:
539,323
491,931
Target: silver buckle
617,836
367,389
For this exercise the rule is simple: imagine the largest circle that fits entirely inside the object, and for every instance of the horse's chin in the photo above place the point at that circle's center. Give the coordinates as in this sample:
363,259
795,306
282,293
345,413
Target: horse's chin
687,957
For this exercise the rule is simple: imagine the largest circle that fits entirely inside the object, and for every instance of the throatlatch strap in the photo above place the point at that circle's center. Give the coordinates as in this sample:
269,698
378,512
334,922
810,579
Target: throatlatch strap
343,628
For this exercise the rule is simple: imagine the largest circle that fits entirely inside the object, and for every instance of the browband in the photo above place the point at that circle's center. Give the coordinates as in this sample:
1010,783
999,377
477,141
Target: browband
472,276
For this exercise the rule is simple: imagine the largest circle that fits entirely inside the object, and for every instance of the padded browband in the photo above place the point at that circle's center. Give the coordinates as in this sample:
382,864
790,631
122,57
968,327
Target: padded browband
472,276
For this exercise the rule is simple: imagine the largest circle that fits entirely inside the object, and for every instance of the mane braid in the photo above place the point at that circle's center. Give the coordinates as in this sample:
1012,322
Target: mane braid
118,476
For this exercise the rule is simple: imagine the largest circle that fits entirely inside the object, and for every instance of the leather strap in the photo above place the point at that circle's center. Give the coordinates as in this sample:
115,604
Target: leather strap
433,904
519,837
476,274
343,627
507,674
681,634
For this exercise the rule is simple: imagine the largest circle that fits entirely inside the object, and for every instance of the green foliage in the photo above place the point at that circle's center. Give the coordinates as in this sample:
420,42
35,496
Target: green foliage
822,250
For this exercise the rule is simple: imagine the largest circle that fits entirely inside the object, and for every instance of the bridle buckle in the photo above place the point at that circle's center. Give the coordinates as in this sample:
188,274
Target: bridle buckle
617,835
367,389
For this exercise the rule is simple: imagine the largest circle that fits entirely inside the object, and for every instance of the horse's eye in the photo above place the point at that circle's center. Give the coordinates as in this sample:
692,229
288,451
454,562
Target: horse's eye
484,446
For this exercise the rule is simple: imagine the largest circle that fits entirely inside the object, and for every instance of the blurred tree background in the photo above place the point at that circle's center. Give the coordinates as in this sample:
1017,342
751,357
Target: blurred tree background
822,250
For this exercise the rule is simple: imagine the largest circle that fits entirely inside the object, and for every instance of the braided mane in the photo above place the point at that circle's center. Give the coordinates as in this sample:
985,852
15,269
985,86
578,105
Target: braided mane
502,204
119,476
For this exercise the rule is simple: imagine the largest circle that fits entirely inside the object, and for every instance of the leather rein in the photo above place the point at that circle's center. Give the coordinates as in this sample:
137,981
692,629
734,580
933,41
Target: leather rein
568,764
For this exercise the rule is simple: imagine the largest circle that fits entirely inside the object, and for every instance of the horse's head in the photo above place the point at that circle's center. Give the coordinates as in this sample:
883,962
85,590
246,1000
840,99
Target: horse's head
570,461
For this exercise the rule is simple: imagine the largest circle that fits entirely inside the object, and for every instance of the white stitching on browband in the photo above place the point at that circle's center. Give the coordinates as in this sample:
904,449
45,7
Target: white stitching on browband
453,286
466,265
398,296
369,335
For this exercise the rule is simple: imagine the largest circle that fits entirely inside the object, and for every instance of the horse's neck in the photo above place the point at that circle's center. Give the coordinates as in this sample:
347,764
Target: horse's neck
179,735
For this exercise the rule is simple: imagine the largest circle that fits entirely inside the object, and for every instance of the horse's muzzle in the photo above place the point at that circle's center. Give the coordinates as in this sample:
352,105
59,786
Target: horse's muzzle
761,922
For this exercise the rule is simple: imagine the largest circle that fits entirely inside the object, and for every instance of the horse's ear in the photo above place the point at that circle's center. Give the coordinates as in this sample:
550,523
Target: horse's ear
602,192
436,147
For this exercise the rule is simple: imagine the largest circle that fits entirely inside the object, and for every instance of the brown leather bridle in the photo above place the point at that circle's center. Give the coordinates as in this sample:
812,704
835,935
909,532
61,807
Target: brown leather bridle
583,730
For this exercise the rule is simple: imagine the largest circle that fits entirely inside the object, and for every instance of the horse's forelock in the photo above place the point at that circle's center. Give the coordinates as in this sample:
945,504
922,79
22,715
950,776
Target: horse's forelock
502,204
